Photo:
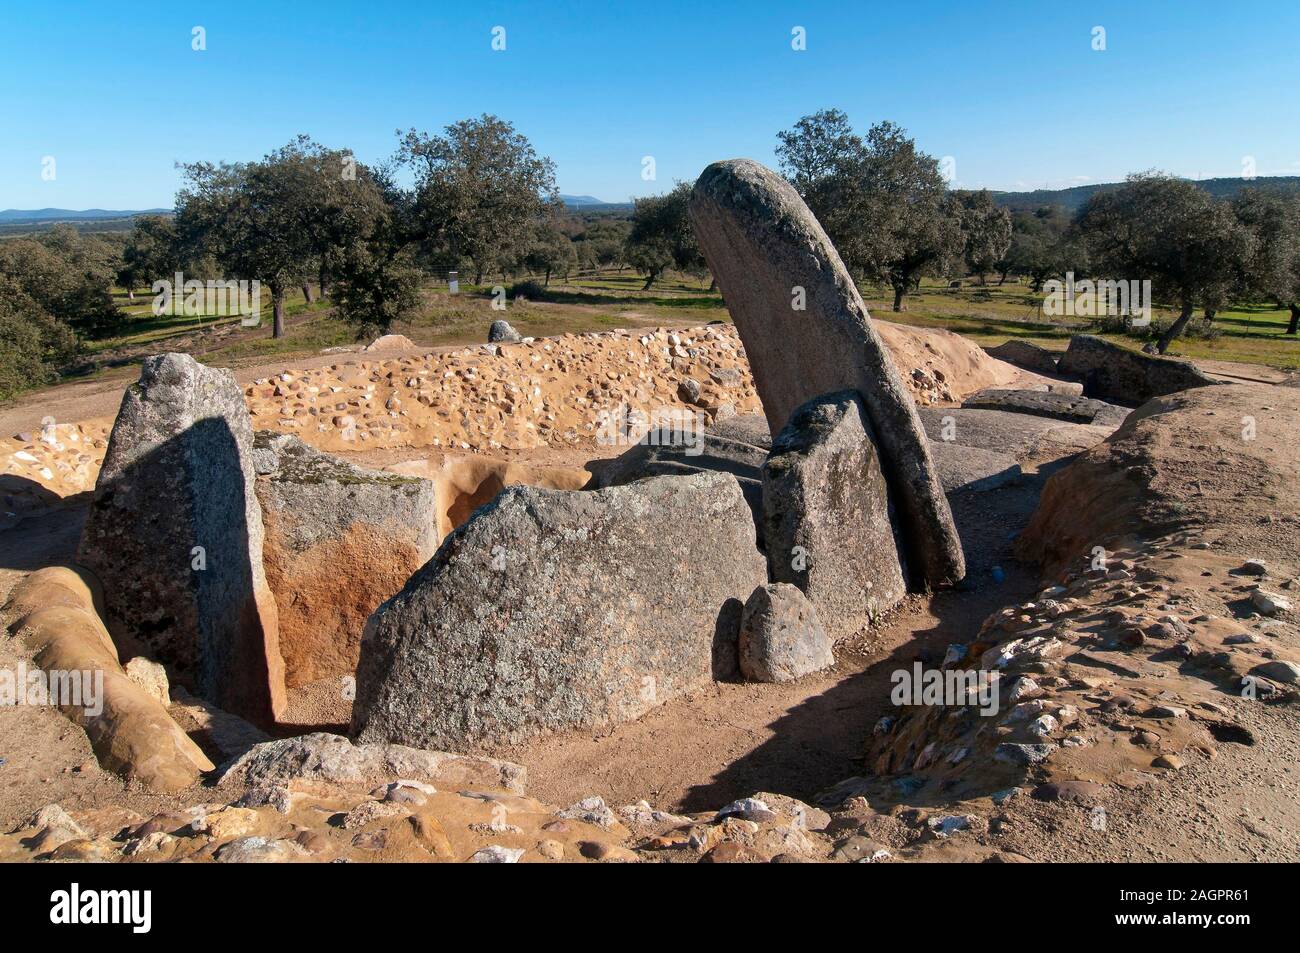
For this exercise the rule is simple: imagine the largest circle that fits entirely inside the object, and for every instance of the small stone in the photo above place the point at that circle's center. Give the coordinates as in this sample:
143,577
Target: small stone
1022,755
494,854
1170,761
1166,711
606,853
730,852
947,825
1279,670
1269,603
781,637
593,810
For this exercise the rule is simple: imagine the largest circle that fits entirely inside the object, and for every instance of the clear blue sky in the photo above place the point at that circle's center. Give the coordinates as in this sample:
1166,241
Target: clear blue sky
1013,92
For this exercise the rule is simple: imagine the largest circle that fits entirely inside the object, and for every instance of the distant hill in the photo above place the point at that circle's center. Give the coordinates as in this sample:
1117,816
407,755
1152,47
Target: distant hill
573,201
23,216
1073,199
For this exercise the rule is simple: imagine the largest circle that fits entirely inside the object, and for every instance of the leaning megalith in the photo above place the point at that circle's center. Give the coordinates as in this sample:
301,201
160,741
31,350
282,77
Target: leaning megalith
807,333
827,515
174,533
554,609
339,540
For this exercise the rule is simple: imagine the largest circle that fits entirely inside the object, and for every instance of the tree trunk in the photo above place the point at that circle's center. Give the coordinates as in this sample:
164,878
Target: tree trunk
320,281
982,281
1294,326
1174,329
713,284
650,280
277,307
478,277
899,291
306,292
547,282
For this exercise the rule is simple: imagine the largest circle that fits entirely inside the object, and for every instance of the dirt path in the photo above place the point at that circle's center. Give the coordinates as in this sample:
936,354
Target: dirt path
731,740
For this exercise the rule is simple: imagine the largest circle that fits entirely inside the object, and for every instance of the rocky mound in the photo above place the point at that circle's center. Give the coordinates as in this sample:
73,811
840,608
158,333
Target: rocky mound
1167,620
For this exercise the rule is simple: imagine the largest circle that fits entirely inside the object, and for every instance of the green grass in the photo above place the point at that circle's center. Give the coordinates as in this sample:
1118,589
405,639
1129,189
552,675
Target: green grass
988,315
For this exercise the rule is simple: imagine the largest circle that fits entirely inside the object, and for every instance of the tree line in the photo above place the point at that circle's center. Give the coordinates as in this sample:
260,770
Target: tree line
478,199
888,209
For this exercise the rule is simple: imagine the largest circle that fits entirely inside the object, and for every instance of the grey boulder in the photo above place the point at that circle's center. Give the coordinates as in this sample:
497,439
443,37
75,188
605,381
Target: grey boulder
502,333
781,638
827,518
174,533
555,609
1128,377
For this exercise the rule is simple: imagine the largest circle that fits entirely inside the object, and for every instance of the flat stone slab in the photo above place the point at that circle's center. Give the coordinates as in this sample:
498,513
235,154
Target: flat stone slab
1075,410
970,468
1026,354
339,540
1021,436
738,446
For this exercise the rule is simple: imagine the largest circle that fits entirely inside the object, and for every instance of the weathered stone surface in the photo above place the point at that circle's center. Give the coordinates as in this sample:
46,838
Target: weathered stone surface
827,515
319,761
1075,410
178,475
501,332
551,609
1018,435
1030,356
970,468
737,445
781,638
129,728
769,253
1128,377
339,540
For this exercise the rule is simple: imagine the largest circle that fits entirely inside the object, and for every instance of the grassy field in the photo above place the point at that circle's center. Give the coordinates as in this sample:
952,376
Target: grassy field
989,315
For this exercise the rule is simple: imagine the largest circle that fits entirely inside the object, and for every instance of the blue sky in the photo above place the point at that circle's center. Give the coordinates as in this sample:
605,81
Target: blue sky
1013,92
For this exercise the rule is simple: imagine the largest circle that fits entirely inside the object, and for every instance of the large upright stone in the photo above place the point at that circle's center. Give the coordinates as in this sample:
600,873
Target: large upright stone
1128,377
175,535
554,609
771,258
826,511
339,540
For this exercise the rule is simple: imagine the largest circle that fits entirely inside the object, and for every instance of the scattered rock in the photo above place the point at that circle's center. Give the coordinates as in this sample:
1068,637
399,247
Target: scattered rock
502,333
